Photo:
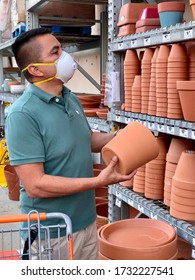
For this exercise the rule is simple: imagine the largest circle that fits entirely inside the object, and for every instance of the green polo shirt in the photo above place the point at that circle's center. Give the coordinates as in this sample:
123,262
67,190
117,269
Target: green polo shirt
51,129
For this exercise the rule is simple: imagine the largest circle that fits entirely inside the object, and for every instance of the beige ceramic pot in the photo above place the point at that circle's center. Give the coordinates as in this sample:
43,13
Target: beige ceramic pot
134,146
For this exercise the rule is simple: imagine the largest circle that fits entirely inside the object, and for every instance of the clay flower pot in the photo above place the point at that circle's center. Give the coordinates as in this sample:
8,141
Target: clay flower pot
186,91
192,5
171,13
134,146
138,239
12,183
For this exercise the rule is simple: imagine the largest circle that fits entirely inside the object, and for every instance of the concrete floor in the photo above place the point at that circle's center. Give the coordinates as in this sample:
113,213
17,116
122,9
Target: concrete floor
8,240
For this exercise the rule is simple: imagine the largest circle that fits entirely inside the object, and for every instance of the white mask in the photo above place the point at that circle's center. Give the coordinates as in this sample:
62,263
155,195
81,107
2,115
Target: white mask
65,66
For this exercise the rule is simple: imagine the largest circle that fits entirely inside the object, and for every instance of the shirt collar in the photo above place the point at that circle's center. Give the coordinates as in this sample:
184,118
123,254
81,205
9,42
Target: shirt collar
43,95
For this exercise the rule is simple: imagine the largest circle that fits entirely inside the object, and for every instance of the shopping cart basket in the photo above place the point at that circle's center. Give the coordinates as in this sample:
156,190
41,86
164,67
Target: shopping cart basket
13,248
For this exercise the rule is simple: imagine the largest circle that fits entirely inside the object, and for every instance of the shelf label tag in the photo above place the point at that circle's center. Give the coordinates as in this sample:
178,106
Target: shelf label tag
161,127
166,37
118,118
127,120
140,208
130,202
147,41
95,126
183,132
171,129
118,202
134,43
151,126
193,134
118,194
188,34
120,46
153,216
193,252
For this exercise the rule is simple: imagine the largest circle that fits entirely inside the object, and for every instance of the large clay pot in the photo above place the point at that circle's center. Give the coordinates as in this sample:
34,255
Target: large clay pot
134,146
12,183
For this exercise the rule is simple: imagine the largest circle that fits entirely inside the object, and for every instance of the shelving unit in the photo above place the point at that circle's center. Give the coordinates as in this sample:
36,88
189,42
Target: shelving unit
121,197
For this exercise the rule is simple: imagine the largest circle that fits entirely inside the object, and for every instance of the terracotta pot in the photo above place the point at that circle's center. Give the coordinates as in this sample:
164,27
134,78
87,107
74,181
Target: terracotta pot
182,215
101,191
97,168
134,146
177,146
102,214
12,183
138,239
192,5
187,98
185,167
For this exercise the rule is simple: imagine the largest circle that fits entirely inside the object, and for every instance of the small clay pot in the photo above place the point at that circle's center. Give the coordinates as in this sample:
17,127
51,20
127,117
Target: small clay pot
13,183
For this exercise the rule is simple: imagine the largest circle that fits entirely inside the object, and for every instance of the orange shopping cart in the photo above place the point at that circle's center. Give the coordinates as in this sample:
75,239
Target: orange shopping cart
12,247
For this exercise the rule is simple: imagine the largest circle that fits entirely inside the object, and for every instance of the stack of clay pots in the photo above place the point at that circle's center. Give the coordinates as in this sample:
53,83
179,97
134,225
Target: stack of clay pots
183,188
177,146
177,71
152,90
161,80
131,69
139,180
137,239
145,81
136,94
155,171
191,61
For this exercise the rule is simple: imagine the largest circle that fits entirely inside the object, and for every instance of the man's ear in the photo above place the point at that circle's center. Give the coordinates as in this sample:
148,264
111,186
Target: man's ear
35,71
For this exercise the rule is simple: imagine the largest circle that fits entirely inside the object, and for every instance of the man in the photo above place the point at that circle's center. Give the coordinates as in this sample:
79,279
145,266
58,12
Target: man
50,143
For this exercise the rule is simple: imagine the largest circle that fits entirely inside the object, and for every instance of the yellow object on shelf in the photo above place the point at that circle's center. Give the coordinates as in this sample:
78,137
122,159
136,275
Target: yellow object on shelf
4,160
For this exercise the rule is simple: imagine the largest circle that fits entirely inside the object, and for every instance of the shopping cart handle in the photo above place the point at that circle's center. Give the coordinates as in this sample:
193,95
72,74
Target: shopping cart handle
22,218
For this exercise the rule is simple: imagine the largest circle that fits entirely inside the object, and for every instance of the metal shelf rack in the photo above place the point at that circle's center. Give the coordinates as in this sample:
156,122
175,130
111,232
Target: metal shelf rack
174,127
99,124
120,196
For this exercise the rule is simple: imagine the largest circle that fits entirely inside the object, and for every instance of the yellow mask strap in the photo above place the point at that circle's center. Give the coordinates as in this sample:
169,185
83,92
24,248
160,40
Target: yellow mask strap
39,64
43,81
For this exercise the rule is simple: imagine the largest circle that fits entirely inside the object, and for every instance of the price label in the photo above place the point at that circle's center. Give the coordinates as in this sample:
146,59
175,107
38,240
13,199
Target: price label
131,202
161,127
193,252
118,118
153,216
118,194
127,120
171,129
140,208
193,134
147,41
166,37
151,126
120,46
95,126
188,34
183,132
118,202
134,43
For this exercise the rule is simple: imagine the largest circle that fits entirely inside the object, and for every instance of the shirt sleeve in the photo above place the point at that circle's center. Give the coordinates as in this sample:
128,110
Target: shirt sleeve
23,139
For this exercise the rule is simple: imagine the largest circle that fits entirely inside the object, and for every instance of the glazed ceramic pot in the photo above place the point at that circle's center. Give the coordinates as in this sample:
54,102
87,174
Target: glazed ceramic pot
134,146
12,183
138,239
171,13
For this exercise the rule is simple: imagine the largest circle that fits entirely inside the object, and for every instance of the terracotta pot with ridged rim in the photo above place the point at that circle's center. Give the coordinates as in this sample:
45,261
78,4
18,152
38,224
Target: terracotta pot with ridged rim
138,239
134,145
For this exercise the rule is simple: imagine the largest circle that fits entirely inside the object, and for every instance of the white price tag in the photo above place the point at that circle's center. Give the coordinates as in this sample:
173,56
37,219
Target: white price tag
161,127
118,202
171,129
127,120
120,46
188,34
193,134
183,132
166,37
151,126
95,126
153,216
140,208
130,202
118,194
134,43
147,41
118,118
193,252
